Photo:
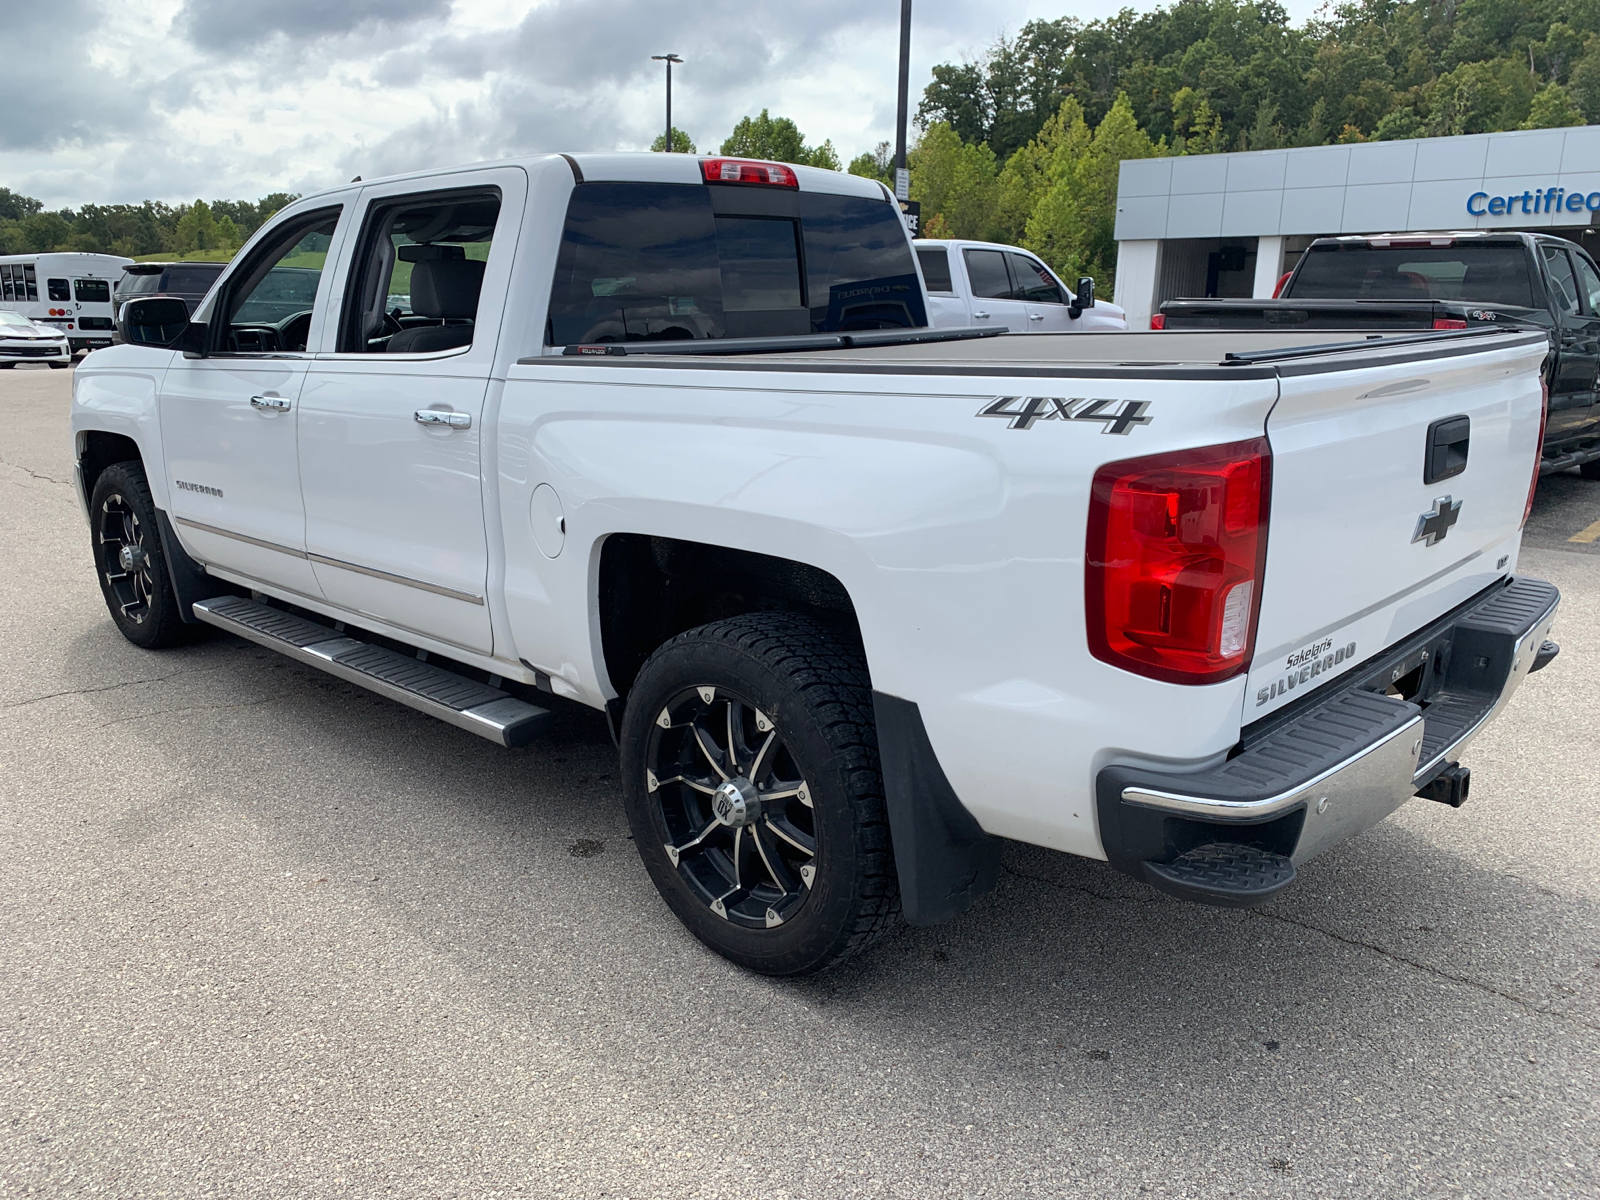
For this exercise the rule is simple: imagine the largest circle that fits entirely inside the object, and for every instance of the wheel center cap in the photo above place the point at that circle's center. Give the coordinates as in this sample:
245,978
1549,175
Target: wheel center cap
736,802
131,558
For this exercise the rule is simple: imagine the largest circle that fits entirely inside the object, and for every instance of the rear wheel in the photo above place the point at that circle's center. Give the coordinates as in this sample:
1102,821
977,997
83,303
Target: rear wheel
129,559
1590,469
751,778
55,366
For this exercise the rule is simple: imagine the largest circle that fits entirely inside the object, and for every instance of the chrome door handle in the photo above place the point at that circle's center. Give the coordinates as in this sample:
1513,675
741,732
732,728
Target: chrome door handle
1035,317
977,316
433,416
269,403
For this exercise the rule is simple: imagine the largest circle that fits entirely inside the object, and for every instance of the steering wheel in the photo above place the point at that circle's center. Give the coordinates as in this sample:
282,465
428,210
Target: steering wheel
295,332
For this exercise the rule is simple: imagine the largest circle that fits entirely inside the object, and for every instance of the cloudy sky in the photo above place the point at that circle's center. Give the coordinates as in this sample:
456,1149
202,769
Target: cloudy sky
123,100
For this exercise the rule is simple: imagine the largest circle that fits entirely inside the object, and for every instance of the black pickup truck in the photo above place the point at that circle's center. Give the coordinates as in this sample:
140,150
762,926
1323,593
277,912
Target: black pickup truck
1470,280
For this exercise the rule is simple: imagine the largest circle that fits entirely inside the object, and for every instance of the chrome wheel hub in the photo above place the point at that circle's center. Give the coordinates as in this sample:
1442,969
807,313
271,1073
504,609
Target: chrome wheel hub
736,802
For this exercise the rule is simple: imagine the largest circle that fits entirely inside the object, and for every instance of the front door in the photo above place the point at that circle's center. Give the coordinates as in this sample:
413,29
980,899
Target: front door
994,305
228,419
391,421
1045,298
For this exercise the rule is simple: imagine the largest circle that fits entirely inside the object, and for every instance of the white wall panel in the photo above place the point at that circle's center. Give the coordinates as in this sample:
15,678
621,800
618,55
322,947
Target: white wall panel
1251,214
1141,217
1312,210
1195,216
1144,177
1382,162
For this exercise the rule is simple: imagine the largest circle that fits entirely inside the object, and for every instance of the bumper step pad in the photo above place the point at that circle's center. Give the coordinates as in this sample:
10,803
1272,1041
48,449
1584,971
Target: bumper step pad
465,703
1223,873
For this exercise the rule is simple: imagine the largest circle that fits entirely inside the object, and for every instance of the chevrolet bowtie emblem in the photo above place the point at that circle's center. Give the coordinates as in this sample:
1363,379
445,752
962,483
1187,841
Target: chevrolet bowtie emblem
1432,527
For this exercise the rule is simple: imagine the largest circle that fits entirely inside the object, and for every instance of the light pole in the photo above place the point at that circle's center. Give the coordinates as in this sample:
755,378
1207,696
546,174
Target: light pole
902,178
669,59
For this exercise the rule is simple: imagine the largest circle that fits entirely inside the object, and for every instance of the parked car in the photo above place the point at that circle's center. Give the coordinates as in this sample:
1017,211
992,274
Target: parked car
858,603
984,284
23,341
1464,280
69,292
189,281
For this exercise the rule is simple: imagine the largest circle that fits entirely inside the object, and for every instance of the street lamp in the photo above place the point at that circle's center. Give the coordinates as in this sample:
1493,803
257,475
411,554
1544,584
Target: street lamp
669,59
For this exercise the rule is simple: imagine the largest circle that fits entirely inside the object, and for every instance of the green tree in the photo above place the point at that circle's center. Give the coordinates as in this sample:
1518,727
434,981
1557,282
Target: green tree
956,181
777,139
680,142
1552,108
877,163
196,230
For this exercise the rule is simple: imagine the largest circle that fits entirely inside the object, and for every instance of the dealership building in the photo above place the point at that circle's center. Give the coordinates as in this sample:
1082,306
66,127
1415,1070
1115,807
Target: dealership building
1232,224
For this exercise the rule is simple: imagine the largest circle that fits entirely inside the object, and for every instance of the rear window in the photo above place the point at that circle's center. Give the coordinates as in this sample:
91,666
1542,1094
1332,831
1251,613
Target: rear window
646,262
190,281
92,291
935,262
141,284
1486,274
59,289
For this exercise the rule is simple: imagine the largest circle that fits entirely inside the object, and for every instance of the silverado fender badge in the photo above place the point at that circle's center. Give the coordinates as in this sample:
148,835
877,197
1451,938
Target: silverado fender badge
1434,526
1025,411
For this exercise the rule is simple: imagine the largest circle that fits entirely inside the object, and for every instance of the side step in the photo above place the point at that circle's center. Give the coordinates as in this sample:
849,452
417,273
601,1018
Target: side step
1223,873
464,703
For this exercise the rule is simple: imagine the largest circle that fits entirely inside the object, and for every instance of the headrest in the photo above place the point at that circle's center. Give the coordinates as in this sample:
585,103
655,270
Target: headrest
426,253
446,287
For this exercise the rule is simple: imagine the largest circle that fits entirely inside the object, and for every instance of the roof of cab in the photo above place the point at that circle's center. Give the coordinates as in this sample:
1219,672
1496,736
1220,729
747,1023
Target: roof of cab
639,166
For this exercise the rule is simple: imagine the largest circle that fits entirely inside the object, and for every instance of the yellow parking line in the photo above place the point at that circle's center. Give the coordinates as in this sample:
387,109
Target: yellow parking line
1591,534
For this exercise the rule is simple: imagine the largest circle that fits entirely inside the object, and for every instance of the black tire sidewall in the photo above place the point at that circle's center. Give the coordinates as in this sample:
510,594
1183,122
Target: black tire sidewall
163,627
823,926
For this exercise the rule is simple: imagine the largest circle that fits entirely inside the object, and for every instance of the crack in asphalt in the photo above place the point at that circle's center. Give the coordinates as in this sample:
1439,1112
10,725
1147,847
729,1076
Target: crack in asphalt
166,712
88,691
1532,1006
34,474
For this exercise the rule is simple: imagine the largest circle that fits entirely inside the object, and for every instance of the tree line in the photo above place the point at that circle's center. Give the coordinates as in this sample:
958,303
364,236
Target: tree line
133,230
1022,145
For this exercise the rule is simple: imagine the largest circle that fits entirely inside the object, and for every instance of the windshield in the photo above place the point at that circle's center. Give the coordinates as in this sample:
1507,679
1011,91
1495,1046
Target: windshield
663,262
1487,274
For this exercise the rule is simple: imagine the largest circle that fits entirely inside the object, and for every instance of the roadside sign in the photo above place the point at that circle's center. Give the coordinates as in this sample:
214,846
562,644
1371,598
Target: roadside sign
911,211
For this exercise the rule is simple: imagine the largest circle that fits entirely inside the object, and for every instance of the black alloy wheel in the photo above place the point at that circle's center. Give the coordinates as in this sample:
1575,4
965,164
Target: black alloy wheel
129,560
750,774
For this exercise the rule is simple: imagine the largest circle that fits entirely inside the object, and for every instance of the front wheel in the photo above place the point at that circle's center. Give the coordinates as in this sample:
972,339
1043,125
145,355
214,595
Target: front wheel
1590,469
751,779
129,560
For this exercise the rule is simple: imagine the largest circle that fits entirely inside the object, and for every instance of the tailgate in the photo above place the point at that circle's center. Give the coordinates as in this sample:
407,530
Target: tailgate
1361,549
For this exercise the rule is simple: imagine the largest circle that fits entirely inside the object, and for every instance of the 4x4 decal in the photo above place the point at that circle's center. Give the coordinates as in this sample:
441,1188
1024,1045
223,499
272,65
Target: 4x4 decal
1025,411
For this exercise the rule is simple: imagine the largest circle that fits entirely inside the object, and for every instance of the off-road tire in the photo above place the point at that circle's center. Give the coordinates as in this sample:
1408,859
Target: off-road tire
1590,469
152,620
809,683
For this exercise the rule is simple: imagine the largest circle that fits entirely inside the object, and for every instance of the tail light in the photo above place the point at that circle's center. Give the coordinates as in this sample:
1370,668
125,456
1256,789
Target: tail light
1158,320
1282,279
1538,449
1449,323
745,170
1177,544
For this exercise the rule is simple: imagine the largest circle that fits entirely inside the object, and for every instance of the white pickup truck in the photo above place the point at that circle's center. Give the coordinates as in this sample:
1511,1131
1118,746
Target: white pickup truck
670,437
987,285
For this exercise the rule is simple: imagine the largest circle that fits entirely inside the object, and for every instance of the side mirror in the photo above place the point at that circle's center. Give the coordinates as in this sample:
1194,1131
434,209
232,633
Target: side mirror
153,321
1085,297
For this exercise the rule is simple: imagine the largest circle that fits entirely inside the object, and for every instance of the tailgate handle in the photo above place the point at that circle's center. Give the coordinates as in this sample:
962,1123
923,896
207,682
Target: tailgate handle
1446,455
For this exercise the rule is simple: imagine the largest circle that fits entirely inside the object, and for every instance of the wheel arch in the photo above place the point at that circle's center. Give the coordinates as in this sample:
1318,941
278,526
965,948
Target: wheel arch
96,450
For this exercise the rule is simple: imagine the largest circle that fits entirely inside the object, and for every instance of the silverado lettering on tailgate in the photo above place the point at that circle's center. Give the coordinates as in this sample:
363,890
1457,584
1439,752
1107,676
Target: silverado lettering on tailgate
1305,665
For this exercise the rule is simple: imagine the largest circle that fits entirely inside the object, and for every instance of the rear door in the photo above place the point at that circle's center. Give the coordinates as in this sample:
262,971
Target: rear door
1578,338
1370,535
947,307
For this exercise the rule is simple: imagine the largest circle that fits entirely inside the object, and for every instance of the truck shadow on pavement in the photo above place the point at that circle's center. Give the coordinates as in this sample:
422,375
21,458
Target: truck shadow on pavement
1392,961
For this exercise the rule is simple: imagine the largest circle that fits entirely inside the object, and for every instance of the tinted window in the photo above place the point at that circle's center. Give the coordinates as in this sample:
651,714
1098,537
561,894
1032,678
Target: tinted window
270,298
142,284
1563,286
191,280
8,290
986,270
59,289
650,262
31,280
1034,282
1488,274
92,291
1590,280
935,262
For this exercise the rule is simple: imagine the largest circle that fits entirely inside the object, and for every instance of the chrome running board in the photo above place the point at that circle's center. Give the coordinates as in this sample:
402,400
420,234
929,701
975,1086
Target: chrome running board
465,703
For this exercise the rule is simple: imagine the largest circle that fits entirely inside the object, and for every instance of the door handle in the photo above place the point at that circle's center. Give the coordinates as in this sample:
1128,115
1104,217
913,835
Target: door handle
977,316
269,403
434,416
1035,316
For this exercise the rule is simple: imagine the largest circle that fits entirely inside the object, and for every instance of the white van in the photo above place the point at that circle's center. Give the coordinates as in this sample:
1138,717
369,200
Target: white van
69,292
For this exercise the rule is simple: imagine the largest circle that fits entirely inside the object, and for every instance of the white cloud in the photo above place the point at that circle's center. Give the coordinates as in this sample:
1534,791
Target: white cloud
123,100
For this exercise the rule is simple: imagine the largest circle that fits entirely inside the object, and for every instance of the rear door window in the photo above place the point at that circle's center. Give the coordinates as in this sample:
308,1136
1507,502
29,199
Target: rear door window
1590,281
1563,284
31,281
92,291
986,271
935,263
7,288
646,262
59,289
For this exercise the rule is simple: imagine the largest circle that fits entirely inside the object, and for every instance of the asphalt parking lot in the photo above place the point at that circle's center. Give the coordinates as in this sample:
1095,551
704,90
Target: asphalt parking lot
264,934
